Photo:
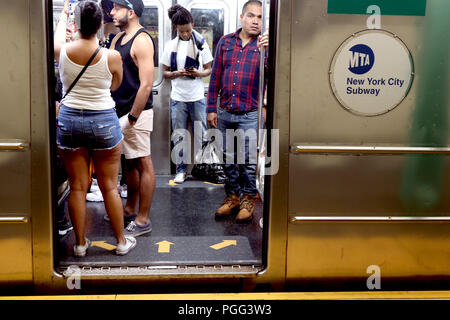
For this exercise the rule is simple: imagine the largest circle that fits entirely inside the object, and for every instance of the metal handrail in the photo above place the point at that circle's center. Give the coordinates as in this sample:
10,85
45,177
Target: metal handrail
13,220
302,149
12,146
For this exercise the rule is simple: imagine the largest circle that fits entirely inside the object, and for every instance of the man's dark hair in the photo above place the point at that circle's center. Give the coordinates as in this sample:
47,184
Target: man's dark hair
180,15
90,18
249,2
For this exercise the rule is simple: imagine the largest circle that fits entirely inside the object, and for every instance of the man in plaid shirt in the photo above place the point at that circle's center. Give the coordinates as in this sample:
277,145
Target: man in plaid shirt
235,77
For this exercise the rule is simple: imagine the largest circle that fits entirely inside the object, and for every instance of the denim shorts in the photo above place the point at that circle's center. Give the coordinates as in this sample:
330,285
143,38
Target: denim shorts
91,129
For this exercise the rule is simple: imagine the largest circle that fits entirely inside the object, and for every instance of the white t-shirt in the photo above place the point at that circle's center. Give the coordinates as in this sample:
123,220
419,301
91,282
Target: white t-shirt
185,89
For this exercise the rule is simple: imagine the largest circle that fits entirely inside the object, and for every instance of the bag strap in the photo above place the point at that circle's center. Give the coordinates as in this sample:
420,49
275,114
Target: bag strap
82,71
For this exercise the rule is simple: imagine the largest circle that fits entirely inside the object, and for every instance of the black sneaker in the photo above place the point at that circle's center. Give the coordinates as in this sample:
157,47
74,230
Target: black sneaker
64,227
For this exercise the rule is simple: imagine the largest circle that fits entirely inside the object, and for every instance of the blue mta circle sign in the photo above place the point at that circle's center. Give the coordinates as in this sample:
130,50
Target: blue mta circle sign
362,59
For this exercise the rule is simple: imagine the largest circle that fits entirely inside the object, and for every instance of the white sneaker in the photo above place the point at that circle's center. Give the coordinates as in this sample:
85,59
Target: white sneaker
94,186
123,249
94,196
80,251
180,177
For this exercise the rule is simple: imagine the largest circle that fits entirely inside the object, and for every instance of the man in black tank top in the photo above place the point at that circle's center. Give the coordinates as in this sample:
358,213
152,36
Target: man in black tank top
134,108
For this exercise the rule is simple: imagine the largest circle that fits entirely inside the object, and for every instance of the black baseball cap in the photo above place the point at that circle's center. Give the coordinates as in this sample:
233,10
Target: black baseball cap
136,5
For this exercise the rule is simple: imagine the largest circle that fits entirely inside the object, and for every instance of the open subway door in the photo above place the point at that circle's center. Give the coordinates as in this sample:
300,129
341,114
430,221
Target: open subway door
369,167
187,240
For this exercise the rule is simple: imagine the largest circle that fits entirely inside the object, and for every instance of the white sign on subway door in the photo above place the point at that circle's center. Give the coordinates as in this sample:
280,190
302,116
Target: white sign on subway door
371,72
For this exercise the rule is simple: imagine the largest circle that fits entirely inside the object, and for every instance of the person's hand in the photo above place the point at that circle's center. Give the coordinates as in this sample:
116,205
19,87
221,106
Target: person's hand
180,73
194,72
263,40
212,119
70,34
66,7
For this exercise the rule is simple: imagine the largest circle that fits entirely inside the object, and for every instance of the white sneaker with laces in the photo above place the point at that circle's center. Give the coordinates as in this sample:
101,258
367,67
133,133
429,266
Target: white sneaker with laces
94,196
80,251
180,177
123,249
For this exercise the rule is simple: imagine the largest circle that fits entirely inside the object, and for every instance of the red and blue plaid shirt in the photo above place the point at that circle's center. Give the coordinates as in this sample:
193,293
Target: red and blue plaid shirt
235,75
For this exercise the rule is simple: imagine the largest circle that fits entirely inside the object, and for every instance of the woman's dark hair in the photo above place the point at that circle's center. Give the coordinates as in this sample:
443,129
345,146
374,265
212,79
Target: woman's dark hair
89,18
180,15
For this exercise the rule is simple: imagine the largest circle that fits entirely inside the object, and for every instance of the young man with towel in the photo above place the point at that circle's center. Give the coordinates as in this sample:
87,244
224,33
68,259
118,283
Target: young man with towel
185,61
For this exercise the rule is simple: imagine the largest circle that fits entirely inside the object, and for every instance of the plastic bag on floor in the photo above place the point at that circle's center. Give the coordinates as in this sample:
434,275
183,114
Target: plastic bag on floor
207,165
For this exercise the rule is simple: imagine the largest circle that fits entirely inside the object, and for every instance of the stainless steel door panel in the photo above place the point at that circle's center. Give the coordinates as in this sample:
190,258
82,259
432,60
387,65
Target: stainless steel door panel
15,159
382,185
328,250
14,182
16,258
370,183
319,118
160,137
14,78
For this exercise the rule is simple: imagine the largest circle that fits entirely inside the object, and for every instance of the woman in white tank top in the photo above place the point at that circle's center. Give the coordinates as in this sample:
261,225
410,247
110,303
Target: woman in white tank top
87,122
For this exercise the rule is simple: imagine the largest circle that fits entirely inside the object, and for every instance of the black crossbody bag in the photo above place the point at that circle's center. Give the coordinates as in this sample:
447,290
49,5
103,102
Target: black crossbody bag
82,71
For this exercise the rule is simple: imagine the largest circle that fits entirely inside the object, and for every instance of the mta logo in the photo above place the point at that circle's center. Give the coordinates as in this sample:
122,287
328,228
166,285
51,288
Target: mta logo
362,59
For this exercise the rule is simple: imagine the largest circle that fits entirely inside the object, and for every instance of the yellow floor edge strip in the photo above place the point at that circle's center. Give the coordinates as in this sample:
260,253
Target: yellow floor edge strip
369,295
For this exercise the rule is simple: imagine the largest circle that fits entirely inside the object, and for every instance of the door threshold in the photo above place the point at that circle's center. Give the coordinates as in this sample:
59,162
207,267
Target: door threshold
212,271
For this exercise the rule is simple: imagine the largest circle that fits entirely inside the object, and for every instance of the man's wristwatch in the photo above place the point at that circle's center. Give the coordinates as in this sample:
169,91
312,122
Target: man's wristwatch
132,118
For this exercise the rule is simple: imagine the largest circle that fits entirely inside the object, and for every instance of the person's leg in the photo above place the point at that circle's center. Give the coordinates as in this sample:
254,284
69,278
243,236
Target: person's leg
141,174
248,123
232,188
146,188
76,163
107,163
123,164
198,115
247,179
179,117
133,180
225,123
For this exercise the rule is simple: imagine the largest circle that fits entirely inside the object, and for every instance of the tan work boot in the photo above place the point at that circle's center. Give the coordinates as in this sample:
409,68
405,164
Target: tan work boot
230,202
247,207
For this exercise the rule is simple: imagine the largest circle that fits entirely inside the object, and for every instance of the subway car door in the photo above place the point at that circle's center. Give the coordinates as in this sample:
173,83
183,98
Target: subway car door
369,197
16,265
186,237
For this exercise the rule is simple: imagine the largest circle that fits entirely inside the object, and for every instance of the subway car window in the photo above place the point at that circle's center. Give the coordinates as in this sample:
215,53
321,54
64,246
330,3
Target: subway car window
150,21
210,24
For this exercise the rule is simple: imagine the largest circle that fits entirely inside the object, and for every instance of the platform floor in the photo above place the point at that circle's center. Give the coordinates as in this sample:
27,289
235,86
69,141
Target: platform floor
185,232
261,296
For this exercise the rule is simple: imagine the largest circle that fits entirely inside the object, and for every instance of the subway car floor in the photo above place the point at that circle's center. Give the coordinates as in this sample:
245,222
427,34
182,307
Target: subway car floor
185,232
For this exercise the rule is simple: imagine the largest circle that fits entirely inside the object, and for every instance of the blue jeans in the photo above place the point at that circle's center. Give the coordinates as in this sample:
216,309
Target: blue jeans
94,130
180,111
240,163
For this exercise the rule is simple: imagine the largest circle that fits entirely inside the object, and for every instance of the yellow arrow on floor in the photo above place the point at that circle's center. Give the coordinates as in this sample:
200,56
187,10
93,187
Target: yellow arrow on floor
214,184
103,245
164,246
172,183
224,244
